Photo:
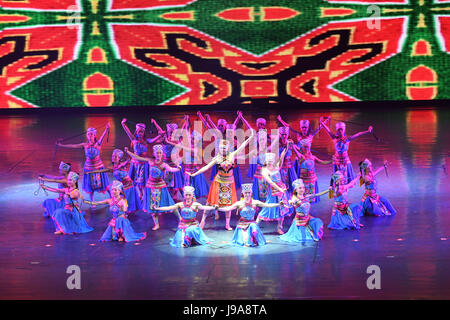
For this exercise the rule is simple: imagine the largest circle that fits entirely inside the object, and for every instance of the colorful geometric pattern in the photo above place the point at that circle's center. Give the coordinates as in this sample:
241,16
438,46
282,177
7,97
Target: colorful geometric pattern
100,53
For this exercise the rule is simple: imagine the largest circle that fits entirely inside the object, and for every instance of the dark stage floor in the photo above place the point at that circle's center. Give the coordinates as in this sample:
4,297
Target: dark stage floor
411,249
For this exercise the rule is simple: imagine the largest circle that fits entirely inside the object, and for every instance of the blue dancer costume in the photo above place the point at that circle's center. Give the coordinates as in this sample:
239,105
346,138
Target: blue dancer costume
189,232
139,169
156,192
276,213
247,232
94,181
119,228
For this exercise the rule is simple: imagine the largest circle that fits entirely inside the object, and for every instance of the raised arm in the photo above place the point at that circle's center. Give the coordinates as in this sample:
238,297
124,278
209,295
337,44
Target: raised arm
331,134
244,121
108,126
212,125
127,130
284,123
359,134
381,168
202,118
242,146
320,126
352,183
135,156
204,168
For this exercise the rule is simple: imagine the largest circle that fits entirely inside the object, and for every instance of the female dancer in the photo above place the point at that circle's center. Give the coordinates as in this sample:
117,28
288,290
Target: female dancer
138,171
372,203
69,220
174,180
120,172
247,232
304,227
193,155
277,191
341,160
307,167
222,191
287,170
155,193
119,228
92,181
189,231
344,215
50,205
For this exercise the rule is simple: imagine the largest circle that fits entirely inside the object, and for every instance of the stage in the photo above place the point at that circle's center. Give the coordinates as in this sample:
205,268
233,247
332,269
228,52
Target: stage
411,249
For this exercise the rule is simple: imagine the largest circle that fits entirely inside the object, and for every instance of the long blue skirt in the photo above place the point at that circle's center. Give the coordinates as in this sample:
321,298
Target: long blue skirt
260,189
311,232
254,236
122,229
275,213
350,172
133,200
50,205
252,170
95,182
382,208
163,199
342,221
288,175
200,185
134,170
70,221
193,235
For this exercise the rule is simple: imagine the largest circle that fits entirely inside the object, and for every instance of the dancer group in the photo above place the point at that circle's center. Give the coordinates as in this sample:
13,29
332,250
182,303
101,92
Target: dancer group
151,173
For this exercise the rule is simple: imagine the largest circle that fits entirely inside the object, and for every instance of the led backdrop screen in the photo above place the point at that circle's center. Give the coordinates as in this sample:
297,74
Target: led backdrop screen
74,53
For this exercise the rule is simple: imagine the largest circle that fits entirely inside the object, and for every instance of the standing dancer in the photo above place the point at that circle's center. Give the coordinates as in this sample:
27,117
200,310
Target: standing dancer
174,180
341,160
304,227
156,193
192,156
222,191
371,202
69,219
92,181
139,143
307,167
120,172
247,232
277,191
306,132
188,232
287,170
50,205
119,228
344,215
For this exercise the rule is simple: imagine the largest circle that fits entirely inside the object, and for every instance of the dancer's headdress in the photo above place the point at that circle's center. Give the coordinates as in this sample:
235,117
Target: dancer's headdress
117,185
157,147
260,120
73,176
340,125
247,187
222,122
298,183
140,126
188,190
304,123
117,152
270,156
92,130
64,166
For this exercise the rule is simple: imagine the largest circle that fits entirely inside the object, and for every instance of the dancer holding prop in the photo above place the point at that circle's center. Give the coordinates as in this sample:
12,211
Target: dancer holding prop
222,191
344,215
341,160
50,205
119,228
304,227
371,202
189,232
92,181
70,219
277,191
